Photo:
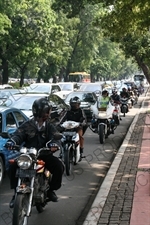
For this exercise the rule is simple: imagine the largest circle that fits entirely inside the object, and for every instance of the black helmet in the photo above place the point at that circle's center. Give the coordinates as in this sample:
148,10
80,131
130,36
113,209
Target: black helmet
40,107
105,92
75,102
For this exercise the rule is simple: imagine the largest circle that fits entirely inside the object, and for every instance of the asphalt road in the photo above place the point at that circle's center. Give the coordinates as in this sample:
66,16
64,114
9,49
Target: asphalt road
78,190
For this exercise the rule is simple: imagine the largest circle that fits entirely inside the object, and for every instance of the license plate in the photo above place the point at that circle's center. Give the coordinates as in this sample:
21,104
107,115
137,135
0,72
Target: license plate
25,173
69,133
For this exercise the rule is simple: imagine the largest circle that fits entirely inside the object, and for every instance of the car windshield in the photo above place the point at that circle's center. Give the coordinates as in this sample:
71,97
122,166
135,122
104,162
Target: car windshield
90,88
39,88
84,97
66,87
22,102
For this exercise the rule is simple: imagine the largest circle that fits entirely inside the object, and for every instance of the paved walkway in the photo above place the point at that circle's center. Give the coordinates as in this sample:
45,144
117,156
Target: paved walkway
124,197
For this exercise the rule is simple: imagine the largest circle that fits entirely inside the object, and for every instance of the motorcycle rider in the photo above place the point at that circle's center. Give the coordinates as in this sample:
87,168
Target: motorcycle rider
76,114
131,95
115,97
102,103
36,132
104,99
124,93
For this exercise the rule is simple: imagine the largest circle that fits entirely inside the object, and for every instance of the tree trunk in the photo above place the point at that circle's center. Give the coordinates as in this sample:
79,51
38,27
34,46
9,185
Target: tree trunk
22,77
5,73
144,68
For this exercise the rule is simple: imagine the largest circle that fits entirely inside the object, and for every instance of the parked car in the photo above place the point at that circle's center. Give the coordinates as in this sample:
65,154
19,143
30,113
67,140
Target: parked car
24,103
93,87
10,119
48,88
66,88
87,99
5,93
6,86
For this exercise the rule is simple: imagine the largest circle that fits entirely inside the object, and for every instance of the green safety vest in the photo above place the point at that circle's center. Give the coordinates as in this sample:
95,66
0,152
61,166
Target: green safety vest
103,102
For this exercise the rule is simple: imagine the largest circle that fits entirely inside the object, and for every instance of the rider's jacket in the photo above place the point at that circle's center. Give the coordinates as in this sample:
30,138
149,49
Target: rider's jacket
74,115
29,134
124,94
115,98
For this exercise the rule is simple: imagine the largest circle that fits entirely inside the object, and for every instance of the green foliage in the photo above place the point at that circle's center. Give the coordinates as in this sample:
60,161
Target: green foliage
40,39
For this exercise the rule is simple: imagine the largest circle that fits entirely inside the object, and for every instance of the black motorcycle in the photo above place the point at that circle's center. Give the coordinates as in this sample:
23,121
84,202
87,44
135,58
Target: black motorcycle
33,181
124,105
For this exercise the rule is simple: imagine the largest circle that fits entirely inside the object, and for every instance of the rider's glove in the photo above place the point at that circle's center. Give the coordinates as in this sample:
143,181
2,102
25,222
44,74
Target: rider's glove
10,144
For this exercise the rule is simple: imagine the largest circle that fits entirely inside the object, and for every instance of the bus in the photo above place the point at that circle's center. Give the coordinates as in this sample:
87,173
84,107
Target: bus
82,77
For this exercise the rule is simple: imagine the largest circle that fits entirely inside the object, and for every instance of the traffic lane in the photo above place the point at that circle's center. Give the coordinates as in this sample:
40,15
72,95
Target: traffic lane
78,190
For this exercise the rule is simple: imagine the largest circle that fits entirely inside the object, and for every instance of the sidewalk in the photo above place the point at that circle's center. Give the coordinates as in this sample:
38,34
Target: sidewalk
124,197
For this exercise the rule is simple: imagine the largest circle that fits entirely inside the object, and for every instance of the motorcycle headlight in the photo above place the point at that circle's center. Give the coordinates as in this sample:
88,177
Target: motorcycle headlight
24,161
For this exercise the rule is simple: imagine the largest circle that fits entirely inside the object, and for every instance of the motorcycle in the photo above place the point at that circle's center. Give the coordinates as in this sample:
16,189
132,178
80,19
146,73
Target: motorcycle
124,106
103,122
116,113
70,145
33,181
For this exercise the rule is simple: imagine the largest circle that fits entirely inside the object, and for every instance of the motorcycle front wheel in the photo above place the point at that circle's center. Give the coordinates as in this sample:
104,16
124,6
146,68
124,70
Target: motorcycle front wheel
117,122
101,133
68,159
20,209
124,110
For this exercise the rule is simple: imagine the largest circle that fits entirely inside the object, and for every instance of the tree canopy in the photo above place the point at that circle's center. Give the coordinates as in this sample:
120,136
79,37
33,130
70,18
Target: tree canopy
42,38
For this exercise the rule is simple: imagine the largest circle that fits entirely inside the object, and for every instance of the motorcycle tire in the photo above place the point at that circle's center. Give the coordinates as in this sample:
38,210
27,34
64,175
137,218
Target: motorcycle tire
68,161
101,133
20,209
116,119
39,208
124,111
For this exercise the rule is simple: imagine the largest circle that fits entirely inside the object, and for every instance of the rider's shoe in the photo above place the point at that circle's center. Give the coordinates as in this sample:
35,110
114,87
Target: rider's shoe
81,157
11,204
52,196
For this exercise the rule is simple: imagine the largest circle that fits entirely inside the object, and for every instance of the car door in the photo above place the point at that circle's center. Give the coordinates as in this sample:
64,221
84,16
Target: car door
10,127
19,117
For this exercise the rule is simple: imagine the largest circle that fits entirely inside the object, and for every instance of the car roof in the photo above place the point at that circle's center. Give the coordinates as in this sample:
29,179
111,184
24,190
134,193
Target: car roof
4,108
28,94
34,84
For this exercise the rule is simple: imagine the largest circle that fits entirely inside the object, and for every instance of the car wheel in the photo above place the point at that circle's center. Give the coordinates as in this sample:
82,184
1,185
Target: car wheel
1,170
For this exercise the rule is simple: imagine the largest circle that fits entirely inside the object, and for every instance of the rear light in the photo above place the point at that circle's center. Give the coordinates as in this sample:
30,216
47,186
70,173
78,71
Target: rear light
115,112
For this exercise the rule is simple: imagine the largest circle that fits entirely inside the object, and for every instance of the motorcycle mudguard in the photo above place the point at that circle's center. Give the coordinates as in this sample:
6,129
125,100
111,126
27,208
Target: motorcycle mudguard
23,190
101,124
124,107
67,147
105,126
77,153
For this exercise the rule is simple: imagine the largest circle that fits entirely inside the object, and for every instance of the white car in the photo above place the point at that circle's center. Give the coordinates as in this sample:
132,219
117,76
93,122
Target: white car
66,88
93,87
46,88
6,86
